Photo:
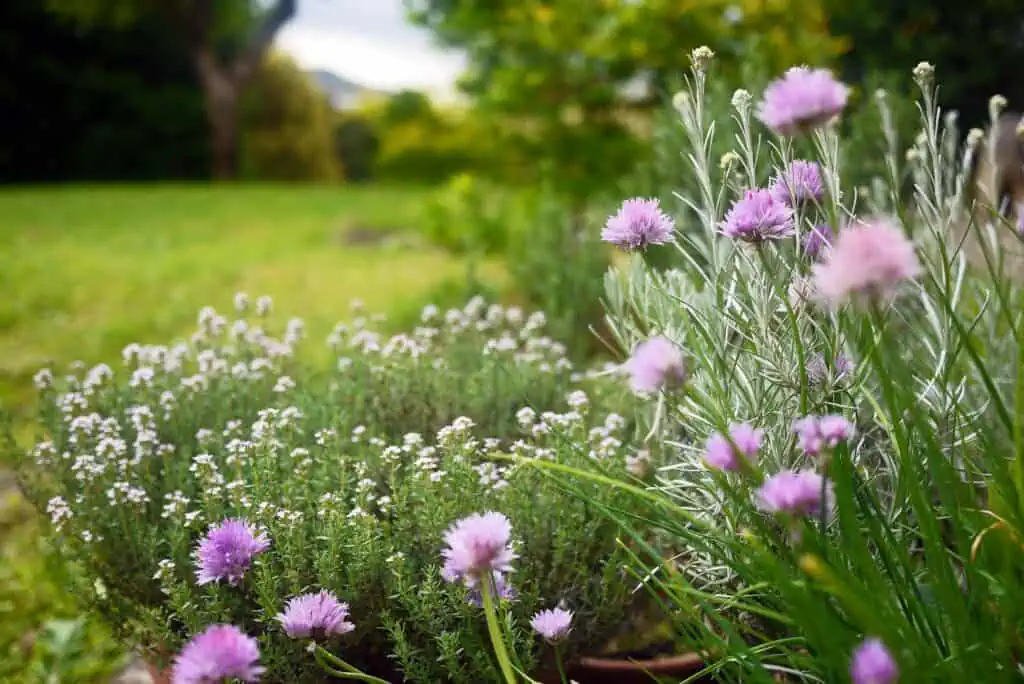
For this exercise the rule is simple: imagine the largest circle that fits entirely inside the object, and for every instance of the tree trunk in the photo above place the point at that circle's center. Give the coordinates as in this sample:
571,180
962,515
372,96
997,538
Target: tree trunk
222,82
221,94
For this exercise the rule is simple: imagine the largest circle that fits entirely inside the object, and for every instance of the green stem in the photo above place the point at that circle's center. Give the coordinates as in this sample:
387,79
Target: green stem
558,663
801,354
487,593
321,655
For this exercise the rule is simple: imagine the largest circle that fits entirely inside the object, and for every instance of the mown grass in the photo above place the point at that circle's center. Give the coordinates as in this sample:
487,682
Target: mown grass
87,270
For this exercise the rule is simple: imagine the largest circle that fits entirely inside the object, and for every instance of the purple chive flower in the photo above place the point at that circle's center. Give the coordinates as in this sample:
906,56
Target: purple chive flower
552,625
227,551
721,455
798,184
503,590
873,664
318,615
794,493
817,240
801,100
866,260
639,223
817,433
655,363
758,217
221,653
477,545
818,372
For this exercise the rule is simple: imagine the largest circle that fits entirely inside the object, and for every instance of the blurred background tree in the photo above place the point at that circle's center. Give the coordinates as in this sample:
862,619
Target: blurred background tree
224,39
977,47
147,89
578,78
96,104
287,126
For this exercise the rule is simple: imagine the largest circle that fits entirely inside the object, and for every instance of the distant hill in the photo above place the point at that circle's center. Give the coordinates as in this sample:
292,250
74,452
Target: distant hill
342,93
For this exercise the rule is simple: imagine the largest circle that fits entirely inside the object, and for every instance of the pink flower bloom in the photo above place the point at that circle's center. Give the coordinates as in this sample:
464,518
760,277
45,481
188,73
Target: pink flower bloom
818,371
817,240
758,217
835,429
873,664
552,625
798,184
721,455
503,591
228,550
639,223
655,363
801,100
794,493
477,545
318,615
867,260
219,654
817,433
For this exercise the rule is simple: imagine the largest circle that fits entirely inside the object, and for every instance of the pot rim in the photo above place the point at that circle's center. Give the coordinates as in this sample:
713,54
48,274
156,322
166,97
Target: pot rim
653,665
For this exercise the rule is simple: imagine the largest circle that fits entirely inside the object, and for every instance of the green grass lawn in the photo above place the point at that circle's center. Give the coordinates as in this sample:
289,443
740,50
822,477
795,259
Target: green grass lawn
85,270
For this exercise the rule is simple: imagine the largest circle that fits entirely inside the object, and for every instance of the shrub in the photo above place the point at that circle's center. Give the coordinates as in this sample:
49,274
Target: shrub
848,485
352,475
286,126
470,215
356,143
556,261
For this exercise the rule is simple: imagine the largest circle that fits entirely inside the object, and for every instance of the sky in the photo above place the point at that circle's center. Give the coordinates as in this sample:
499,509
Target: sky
371,43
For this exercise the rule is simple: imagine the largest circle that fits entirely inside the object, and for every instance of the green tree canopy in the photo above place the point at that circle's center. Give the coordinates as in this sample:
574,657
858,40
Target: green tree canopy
225,40
569,72
977,47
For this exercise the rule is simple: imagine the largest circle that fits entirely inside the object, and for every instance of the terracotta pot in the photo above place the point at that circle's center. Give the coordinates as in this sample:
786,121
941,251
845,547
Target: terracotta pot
589,670
621,671
160,676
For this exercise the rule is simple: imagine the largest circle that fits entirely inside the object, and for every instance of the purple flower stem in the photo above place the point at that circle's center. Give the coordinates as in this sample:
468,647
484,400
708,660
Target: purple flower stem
497,639
559,665
823,513
329,663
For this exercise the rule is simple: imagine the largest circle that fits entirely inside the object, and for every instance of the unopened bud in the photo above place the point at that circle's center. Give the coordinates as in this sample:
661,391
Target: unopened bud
681,101
728,159
701,57
924,74
741,100
996,105
812,565
975,135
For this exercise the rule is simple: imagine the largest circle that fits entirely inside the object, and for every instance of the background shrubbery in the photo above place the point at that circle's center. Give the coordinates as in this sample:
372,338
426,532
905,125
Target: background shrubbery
287,127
